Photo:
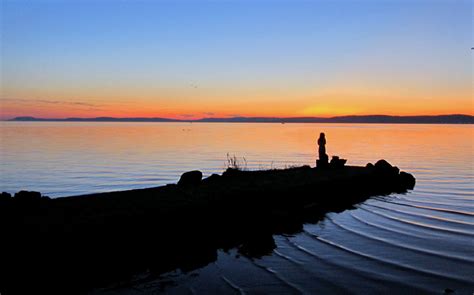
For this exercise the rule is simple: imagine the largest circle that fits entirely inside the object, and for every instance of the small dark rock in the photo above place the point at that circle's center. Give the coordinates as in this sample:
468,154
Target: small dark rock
4,196
213,178
27,199
383,165
231,172
369,165
191,178
336,162
257,246
407,180
396,170
27,196
5,199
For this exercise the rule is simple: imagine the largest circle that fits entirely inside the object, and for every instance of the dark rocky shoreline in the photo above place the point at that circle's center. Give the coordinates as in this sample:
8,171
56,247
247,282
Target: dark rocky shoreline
74,244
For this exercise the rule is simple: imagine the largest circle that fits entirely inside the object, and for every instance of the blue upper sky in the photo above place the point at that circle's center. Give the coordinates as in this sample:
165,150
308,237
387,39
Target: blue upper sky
52,48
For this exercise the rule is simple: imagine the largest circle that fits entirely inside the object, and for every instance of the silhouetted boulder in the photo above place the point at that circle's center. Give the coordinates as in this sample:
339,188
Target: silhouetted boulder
191,178
395,170
27,199
232,172
28,196
336,162
212,179
258,246
5,198
407,180
384,167
369,165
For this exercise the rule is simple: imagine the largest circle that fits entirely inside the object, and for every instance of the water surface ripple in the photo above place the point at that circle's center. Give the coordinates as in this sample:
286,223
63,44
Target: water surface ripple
421,242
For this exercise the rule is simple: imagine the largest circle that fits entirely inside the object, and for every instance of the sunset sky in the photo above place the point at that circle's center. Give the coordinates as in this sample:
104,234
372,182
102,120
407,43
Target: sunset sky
193,59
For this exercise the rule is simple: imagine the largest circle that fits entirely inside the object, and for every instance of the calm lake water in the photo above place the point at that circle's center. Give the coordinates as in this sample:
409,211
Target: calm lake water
419,242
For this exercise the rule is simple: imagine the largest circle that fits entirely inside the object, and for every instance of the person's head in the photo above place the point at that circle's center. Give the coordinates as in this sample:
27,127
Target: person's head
321,134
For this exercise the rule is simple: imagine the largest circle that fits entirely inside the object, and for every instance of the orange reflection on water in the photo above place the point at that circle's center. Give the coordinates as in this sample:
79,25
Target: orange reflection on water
257,142
70,158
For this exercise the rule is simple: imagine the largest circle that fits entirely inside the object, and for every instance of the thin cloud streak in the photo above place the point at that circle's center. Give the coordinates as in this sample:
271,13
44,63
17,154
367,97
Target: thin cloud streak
45,101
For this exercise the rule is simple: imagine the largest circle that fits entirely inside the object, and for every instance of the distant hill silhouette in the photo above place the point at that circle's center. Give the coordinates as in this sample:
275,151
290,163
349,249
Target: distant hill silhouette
97,119
440,119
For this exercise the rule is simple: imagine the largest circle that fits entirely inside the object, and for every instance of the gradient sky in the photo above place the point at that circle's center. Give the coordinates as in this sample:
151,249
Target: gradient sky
192,59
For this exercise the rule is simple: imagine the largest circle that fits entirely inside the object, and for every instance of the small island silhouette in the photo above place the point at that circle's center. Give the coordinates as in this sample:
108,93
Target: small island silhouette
75,244
376,119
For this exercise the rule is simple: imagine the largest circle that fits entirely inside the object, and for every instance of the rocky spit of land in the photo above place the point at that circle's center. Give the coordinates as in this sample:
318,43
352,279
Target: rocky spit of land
74,244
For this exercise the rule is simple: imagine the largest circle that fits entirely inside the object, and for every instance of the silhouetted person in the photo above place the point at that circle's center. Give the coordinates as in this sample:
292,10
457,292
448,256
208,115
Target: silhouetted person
323,157
322,144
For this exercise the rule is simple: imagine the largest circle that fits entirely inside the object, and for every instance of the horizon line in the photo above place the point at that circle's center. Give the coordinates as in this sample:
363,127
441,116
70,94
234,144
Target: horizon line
241,116
375,118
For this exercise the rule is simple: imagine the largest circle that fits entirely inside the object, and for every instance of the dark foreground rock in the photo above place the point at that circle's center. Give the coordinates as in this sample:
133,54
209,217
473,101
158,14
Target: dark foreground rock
70,245
191,178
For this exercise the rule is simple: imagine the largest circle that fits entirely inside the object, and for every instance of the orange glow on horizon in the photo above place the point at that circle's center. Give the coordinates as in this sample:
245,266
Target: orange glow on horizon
8,112
244,103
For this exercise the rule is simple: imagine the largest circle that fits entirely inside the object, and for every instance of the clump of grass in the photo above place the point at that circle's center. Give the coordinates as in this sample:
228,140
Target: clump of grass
236,163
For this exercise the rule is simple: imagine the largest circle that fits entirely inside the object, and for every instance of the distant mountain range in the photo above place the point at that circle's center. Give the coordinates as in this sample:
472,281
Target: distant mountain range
441,119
